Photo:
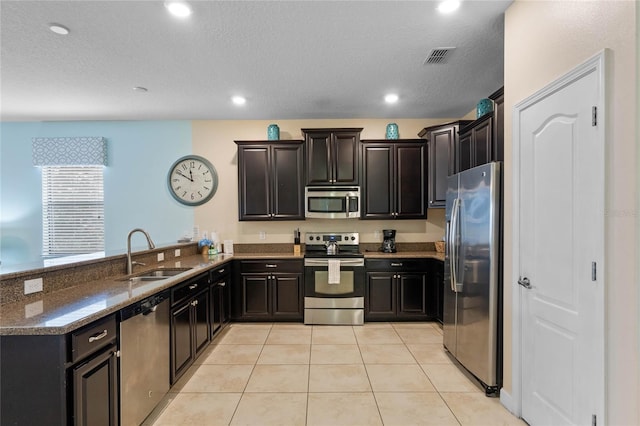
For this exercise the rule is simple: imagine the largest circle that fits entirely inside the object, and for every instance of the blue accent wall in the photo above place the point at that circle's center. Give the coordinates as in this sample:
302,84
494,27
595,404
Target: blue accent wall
135,183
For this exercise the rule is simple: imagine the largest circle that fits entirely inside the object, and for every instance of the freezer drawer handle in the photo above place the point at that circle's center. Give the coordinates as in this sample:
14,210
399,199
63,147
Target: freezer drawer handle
524,282
98,336
396,264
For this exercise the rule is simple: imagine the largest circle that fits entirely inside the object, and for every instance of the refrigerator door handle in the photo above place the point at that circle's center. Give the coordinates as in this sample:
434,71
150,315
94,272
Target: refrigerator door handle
447,249
453,259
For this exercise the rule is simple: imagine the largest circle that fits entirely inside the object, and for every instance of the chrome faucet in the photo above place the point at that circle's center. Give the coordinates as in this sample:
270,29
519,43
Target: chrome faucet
149,242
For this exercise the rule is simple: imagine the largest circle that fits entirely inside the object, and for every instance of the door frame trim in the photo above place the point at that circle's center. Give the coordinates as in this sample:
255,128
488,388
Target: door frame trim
597,64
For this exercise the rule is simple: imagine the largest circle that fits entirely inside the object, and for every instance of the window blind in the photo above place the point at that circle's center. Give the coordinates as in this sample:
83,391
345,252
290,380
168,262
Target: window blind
72,210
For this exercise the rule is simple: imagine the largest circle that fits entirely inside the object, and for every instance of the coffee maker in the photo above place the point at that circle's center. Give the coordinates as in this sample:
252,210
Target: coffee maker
389,241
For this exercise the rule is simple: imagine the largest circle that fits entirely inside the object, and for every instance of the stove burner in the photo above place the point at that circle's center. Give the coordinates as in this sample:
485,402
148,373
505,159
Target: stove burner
343,244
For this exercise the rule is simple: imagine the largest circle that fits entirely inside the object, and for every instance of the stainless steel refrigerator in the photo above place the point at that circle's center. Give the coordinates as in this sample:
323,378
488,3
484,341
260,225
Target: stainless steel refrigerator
472,315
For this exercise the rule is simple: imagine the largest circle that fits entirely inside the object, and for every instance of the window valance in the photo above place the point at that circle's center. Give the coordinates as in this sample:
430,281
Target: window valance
70,151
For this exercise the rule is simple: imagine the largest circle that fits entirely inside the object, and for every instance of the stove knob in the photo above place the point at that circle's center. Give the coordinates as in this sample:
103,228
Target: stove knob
311,238
318,238
353,238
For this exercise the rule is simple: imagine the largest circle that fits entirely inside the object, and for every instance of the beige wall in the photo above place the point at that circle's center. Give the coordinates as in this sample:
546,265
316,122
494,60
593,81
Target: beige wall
544,40
214,139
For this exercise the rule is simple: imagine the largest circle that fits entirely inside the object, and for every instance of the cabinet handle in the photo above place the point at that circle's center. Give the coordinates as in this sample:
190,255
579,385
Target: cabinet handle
194,303
222,284
193,286
98,336
396,264
270,265
221,271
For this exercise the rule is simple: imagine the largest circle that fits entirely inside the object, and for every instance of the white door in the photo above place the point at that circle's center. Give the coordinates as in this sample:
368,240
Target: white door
560,269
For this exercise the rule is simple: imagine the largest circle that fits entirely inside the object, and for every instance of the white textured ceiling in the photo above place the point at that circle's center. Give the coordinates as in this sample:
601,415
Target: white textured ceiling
290,59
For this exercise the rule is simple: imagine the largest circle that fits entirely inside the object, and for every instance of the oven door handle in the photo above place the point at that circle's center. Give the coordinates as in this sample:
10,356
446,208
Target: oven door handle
325,262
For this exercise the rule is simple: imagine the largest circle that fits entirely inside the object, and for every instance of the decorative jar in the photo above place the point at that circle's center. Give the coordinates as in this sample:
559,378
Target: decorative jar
273,132
484,107
392,131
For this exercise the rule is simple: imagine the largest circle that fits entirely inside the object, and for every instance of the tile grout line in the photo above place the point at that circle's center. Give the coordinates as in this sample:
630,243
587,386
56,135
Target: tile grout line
250,374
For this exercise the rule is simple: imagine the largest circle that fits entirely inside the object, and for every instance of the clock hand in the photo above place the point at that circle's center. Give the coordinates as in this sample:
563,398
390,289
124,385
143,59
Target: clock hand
186,177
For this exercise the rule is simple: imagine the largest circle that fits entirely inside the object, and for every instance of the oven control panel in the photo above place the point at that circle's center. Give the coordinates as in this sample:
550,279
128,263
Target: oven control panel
341,238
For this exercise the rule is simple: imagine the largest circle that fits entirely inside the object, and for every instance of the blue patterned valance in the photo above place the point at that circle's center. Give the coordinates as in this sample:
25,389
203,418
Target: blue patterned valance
76,151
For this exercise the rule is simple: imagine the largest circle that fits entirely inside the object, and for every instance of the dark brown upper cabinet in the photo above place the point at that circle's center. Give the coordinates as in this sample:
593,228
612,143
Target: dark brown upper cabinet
270,180
393,179
476,143
332,156
482,140
498,124
442,141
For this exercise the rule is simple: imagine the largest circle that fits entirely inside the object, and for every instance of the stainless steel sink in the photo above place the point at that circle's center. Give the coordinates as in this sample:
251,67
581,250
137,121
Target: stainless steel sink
155,274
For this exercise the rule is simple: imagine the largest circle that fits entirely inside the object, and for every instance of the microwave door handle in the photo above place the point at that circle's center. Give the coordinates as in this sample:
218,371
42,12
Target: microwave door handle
347,198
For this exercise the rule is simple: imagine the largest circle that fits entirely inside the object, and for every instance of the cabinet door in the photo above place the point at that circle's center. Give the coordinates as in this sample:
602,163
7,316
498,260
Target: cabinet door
287,293
255,291
380,300
215,309
253,183
95,391
200,325
410,181
482,142
412,294
319,170
378,186
181,340
344,158
436,291
498,125
464,152
287,188
441,164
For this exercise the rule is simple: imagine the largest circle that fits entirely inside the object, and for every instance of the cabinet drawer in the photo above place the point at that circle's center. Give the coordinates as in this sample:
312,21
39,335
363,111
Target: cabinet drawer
189,288
95,336
400,265
221,272
265,266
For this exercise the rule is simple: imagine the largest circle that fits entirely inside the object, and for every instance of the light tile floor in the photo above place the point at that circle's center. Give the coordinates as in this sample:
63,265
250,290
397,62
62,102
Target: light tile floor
292,374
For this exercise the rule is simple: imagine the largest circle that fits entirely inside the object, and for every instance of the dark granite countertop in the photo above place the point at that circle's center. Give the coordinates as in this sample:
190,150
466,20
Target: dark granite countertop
68,309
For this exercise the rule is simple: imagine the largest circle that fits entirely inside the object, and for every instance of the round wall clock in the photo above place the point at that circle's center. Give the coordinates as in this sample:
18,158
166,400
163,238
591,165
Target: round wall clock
192,180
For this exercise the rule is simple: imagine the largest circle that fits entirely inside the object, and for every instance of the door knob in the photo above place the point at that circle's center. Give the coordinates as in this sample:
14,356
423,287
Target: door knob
524,282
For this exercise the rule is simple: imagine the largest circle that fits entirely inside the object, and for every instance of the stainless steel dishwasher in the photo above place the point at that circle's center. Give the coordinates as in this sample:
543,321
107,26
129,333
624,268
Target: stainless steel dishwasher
144,357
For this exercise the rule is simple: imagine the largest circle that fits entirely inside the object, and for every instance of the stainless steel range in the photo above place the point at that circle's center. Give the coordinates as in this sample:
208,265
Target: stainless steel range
334,278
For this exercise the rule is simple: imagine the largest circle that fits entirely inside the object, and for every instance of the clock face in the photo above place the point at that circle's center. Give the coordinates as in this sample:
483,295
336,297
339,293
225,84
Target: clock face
192,180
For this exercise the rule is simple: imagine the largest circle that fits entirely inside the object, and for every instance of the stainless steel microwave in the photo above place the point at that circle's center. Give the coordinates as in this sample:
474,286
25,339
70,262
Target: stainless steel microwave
329,202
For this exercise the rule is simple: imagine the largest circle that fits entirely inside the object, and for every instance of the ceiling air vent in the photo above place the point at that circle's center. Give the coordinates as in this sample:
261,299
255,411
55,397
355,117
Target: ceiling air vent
438,55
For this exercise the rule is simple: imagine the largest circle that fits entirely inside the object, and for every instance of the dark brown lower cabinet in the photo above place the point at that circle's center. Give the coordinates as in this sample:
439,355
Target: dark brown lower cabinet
398,290
68,379
394,296
95,390
438,283
220,303
268,290
189,332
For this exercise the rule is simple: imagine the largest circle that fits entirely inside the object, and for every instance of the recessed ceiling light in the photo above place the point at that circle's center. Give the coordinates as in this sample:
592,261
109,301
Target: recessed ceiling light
391,98
448,6
238,100
178,8
140,89
59,29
